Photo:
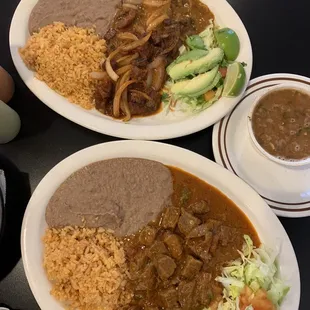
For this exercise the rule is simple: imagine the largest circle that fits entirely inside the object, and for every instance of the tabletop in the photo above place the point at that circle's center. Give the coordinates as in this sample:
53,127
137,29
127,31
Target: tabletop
278,32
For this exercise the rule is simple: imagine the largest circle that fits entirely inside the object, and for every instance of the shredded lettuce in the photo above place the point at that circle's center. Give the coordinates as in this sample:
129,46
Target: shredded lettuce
208,36
197,104
256,269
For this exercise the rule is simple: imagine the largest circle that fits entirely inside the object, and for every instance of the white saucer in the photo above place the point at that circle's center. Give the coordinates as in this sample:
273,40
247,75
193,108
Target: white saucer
285,189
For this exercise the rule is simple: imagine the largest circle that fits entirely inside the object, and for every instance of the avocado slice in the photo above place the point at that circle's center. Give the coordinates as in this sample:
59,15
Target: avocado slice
191,55
201,65
195,42
198,85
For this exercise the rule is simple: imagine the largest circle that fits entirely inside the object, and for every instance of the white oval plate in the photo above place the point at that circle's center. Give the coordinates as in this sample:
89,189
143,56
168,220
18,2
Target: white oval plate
157,127
285,189
266,223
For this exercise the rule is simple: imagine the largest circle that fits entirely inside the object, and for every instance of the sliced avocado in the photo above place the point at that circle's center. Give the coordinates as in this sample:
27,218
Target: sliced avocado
191,55
211,86
198,85
201,65
195,42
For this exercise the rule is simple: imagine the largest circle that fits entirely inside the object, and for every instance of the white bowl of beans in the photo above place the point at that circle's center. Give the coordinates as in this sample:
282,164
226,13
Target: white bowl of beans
279,124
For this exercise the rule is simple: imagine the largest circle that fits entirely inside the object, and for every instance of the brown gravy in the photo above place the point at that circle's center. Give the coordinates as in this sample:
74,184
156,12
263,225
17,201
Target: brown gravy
281,124
170,268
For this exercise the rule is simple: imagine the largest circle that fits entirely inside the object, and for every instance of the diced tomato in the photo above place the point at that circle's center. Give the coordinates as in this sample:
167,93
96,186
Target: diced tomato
259,300
209,95
223,71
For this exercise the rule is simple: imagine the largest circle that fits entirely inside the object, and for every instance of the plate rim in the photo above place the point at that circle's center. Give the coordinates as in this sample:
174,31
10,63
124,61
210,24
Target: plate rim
150,148
105,125
215,142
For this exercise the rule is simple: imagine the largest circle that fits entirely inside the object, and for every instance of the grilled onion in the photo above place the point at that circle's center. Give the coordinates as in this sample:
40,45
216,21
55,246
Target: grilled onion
156,3
112,74
126,60
130,6
136,44
126,36
123,70
117,97
157,21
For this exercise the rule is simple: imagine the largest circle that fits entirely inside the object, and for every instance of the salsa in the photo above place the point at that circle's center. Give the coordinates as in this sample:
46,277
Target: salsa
281,124
173,261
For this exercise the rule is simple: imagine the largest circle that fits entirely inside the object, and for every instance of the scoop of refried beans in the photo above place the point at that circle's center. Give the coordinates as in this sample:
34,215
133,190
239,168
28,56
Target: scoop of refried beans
122,194
80,13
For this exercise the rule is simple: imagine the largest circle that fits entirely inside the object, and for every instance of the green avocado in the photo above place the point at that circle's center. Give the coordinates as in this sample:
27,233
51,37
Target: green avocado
191,55
201,65
198,85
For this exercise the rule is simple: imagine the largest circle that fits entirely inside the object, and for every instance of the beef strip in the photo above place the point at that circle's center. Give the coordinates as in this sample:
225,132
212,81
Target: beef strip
103,94
111,33
125,17
139,105
138,74
146,50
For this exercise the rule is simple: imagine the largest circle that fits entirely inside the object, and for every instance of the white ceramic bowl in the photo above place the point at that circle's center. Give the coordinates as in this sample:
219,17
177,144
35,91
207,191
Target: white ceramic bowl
290,163
263,219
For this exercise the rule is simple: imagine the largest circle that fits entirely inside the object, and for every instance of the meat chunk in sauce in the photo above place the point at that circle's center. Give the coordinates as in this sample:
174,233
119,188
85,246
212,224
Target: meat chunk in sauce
147,235
147,279
201,247
215,243
187,222
138,262
199,207
191,267
165,266
169,298
228,234
174,245
170,218
203,291
158,247
199,231
185,294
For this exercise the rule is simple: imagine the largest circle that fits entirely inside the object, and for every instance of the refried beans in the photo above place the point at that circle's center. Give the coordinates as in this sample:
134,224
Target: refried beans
122,194
80,13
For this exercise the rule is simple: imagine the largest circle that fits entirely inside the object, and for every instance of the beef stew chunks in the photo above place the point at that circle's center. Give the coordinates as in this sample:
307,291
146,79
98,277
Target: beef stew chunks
175,259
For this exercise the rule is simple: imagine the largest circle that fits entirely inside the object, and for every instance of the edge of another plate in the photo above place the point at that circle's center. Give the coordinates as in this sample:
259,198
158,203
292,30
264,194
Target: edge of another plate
267,225
284,212
148,128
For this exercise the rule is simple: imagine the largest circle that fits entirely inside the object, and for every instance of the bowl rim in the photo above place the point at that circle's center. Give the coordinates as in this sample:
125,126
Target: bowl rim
271,89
